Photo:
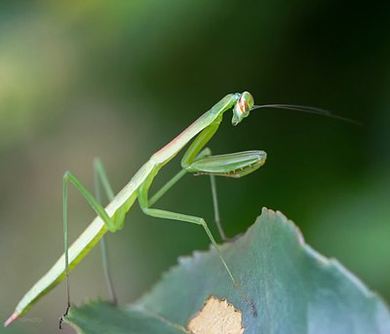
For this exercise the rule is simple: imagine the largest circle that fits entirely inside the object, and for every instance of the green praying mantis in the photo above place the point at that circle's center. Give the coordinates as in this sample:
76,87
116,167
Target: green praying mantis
196,160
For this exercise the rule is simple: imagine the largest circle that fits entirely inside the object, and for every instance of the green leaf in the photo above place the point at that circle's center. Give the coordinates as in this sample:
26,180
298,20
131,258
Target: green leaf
100,317
284,287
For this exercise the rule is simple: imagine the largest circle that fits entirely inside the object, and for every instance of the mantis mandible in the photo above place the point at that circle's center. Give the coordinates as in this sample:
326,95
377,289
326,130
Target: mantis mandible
196,160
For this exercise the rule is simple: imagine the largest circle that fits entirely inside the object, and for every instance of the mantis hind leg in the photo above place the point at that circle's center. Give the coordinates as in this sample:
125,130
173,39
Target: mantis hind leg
94,204
100,179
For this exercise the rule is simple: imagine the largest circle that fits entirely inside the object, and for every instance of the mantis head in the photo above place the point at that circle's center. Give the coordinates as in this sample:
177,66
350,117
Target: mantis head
242,107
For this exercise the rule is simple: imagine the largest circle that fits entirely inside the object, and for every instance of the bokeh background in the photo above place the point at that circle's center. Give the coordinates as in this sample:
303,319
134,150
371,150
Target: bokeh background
119,79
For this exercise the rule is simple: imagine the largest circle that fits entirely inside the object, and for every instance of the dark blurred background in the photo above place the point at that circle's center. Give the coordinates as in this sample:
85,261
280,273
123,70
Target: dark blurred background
119,79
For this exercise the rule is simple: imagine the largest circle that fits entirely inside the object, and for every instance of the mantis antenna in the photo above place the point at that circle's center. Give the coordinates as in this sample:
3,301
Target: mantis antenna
306,109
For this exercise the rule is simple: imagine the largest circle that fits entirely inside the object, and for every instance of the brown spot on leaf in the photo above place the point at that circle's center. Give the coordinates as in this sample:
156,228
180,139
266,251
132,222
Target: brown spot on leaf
217,317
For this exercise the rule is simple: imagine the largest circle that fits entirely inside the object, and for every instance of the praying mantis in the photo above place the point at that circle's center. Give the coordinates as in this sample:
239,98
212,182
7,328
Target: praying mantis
196,160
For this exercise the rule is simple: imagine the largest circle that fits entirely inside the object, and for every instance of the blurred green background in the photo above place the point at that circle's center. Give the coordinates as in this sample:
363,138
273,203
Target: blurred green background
119,79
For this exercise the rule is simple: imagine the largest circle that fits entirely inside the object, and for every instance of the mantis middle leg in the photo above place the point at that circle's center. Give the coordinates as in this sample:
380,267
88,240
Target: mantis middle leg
204,153
158,213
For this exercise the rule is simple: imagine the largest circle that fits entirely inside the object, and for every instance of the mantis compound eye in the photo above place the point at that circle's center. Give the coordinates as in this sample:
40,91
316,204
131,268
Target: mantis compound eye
242,107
